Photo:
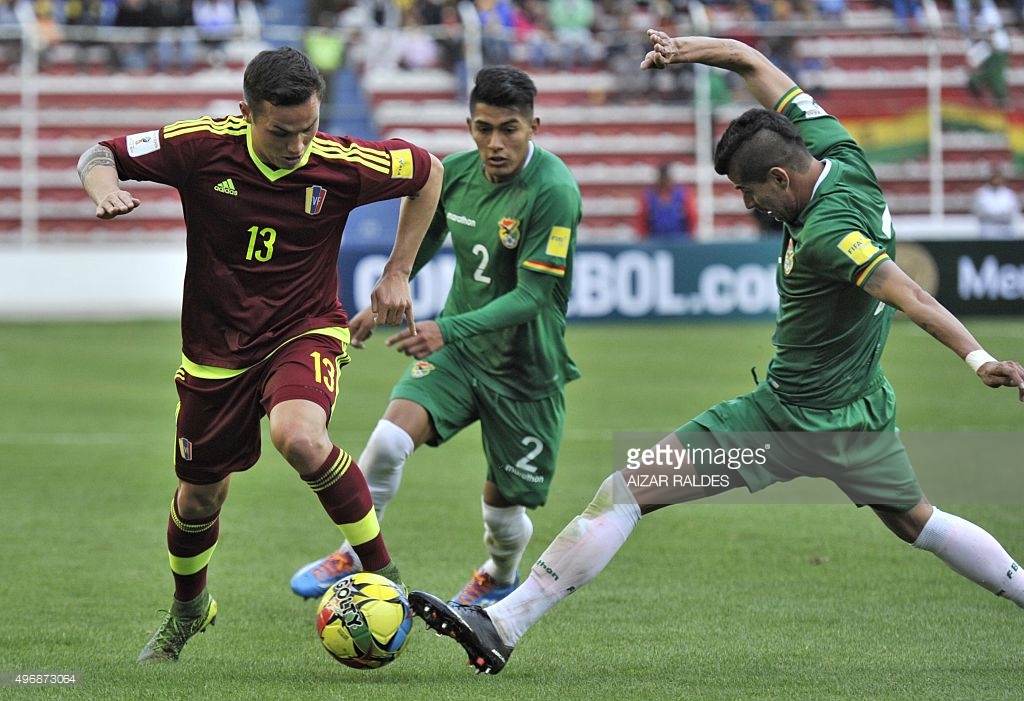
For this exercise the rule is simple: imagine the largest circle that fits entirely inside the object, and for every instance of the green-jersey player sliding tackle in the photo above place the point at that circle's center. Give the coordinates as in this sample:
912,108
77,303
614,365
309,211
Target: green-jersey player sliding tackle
825,401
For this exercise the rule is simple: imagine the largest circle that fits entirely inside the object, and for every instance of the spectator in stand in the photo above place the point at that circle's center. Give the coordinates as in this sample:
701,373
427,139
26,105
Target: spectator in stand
997,208
82,21
216,21
134,38
175,35
667,210
10,46
624,40
571,22
908,14
326,47
498,24
780,43
831,10
533,33
418,47
452,48
988,52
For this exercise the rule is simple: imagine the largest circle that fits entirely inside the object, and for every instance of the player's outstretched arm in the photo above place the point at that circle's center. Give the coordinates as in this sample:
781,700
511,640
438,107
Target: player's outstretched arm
391,298
765,81
891,285
98,173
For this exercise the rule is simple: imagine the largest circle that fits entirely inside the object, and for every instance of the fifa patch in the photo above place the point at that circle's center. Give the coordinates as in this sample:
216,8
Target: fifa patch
185,448
508,232
421,369
315,196
142,143
558,242
858,247
401,164
787,260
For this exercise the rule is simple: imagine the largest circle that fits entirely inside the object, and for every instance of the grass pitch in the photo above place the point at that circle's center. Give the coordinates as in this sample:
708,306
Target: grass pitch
705,601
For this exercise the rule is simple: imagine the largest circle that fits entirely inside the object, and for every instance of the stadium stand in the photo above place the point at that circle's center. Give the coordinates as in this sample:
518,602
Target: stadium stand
614,147
611,131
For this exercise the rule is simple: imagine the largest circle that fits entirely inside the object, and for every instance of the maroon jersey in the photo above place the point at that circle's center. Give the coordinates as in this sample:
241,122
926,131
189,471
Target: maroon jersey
262,243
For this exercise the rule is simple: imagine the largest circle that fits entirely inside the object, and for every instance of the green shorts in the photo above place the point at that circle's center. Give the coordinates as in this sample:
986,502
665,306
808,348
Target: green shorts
857,446
520,438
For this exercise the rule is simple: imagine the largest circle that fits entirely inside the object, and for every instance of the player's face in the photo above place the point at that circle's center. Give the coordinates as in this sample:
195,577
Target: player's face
281,135
502,138
775,196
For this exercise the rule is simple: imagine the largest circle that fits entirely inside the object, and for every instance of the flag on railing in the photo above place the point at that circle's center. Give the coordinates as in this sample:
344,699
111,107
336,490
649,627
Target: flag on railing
899,138
1015,137
892,138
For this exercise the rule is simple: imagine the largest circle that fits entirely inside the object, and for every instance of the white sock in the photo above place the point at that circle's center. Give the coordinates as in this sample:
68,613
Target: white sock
507,531
382,460
574,557
972,552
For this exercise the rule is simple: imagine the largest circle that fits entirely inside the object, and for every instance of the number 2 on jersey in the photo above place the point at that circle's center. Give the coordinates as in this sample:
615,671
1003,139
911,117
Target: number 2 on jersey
485,258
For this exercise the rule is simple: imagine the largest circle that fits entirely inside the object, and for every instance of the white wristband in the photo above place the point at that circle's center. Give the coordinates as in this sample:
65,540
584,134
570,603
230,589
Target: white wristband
976,358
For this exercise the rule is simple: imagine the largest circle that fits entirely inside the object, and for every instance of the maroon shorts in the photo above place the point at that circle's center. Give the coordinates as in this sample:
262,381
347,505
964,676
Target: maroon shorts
218,423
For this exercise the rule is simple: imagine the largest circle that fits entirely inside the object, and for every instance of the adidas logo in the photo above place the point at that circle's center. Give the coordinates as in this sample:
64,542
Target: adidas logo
227,187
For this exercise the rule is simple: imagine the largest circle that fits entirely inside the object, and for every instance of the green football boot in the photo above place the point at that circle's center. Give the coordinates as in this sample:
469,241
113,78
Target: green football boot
182,622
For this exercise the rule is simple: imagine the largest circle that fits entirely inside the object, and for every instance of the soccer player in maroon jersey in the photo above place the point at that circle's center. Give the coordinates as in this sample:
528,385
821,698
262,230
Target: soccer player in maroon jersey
265,197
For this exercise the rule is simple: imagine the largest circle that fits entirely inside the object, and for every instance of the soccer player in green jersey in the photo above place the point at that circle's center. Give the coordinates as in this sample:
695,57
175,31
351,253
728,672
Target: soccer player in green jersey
496,353
265,197
825,403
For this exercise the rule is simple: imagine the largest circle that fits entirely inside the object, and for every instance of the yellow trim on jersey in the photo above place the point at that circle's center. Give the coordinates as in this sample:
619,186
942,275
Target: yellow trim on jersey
537,266
362,531
372,158
787,98
212,372
229,126
191,565
273,174
863,275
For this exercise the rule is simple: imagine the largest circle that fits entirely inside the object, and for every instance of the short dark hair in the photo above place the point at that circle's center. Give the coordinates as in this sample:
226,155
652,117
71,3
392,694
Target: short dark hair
760,140
284,77
504,86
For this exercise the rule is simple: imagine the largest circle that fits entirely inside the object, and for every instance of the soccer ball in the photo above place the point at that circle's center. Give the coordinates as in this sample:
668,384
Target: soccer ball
364,620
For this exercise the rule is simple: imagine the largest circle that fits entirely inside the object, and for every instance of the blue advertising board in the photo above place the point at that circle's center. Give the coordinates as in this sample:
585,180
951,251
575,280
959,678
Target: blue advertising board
714,280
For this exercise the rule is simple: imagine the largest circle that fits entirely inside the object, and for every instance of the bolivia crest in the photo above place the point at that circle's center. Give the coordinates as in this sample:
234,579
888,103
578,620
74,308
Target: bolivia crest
787,260
421,369
508,232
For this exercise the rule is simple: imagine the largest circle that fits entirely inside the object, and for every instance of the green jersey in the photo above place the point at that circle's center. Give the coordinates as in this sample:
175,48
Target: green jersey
513,243
830,333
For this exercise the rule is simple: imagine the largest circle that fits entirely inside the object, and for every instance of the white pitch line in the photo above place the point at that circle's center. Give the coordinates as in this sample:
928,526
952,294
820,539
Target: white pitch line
78,438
